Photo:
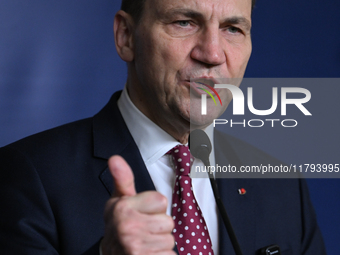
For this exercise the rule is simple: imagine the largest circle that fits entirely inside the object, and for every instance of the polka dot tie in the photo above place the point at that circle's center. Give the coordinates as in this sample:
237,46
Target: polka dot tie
190,232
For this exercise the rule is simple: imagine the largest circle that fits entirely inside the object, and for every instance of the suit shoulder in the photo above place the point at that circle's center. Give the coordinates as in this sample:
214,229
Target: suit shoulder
245,152
53,140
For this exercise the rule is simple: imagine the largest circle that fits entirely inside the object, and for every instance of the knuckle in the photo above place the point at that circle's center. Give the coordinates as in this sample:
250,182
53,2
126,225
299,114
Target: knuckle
167,224
157,198
171,240
170,221
161,199
129,227
164,242
131,237
136,247
122,215
121,205
123,209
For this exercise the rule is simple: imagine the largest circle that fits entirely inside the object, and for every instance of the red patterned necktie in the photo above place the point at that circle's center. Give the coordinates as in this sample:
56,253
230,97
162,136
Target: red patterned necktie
190,232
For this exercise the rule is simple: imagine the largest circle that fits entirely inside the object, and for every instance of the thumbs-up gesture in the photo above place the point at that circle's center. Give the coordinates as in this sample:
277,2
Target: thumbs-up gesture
135,223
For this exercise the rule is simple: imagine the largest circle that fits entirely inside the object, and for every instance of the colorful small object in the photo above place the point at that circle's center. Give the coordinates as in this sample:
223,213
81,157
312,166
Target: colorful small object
242,191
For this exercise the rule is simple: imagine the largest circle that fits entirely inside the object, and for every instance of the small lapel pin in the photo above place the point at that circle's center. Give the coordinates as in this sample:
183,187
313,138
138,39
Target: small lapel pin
242,191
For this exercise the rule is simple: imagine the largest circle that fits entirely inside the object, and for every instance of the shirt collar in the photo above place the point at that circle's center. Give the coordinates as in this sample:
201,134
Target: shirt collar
152,141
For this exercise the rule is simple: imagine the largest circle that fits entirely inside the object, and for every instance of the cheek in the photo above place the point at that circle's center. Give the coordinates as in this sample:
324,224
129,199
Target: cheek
170,52
238,59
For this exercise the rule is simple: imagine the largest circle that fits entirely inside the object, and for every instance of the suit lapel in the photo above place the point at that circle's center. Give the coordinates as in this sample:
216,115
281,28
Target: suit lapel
111,137
240,208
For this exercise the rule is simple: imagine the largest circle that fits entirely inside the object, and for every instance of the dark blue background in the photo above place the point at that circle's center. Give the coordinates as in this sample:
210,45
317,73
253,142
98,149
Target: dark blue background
58,64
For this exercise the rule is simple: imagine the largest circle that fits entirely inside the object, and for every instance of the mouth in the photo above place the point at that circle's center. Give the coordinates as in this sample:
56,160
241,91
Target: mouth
201,85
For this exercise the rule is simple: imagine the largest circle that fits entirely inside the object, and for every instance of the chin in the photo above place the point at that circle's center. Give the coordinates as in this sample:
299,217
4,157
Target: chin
200,124
199,120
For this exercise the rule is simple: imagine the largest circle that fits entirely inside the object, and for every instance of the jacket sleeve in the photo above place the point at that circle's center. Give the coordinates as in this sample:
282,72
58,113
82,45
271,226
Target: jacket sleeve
312,241
27,221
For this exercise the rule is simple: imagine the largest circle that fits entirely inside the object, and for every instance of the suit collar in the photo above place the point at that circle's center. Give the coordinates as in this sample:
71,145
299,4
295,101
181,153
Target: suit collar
111,137
110,134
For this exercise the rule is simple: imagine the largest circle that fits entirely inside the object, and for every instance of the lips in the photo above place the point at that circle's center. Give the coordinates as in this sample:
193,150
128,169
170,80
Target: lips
197,84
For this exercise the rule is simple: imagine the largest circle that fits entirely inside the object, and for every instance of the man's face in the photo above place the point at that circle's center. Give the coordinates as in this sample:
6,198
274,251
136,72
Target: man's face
179,40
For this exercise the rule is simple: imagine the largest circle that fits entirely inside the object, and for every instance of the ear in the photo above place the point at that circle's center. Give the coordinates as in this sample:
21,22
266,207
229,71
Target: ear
123,33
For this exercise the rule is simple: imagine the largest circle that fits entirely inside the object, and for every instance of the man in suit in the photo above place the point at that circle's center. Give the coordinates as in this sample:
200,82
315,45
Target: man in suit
54,185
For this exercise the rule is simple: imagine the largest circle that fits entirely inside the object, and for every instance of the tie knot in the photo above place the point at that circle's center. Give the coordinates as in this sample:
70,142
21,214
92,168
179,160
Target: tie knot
182,159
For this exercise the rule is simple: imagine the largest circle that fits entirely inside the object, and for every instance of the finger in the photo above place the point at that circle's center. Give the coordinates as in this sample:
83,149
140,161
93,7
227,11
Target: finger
157,243
122,176
150,244
149,202
160,224
165,253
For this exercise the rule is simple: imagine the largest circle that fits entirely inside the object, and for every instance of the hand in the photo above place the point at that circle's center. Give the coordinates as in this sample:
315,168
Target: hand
135,223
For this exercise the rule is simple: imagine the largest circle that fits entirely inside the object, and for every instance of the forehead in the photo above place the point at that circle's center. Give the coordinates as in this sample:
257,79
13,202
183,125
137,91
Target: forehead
210,9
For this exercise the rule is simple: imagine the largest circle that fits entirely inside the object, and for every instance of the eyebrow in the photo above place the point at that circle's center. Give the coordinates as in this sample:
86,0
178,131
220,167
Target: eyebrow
185,12
234,20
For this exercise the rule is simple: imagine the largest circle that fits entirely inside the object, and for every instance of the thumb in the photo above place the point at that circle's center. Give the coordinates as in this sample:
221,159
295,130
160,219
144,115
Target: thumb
123,177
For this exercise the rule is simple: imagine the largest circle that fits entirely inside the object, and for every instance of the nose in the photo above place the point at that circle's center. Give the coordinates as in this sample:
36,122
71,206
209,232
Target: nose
209,47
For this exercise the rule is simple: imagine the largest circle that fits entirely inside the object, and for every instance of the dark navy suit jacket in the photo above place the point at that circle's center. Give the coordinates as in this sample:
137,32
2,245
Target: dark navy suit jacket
54,186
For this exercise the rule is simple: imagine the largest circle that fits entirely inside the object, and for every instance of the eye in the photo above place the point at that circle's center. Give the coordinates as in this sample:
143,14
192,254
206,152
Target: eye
183,23
233,30
182,27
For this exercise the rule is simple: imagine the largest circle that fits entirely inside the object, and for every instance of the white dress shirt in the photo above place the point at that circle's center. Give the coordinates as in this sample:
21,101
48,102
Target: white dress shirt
153,143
